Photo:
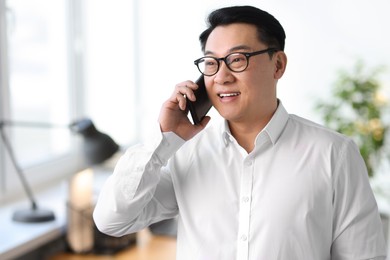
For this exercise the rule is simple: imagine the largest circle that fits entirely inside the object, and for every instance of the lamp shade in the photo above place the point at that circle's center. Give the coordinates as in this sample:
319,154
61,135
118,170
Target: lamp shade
97,146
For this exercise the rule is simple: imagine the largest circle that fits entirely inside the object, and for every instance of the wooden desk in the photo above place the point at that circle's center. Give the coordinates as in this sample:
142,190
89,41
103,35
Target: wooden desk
148,247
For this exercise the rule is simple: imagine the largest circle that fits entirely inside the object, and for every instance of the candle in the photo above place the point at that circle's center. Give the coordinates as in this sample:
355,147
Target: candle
80,225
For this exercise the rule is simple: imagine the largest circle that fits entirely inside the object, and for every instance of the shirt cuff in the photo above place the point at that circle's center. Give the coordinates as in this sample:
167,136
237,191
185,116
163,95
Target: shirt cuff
168,146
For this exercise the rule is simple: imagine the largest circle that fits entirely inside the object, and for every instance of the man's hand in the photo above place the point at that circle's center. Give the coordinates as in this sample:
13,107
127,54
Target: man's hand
173,114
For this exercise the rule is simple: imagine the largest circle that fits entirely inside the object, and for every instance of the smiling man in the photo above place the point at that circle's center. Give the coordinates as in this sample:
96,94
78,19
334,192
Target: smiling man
263,184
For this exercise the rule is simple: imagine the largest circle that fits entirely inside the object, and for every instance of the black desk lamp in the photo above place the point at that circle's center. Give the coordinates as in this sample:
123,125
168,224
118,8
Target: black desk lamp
97,148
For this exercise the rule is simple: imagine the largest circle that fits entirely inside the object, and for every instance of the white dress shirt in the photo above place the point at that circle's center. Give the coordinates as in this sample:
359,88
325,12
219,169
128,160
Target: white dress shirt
302,193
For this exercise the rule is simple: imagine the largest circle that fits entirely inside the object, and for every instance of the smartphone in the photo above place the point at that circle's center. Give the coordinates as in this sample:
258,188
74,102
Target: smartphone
202,105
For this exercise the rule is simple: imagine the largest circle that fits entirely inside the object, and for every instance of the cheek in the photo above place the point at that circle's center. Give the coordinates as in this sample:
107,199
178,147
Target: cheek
258,93
263,81
211,93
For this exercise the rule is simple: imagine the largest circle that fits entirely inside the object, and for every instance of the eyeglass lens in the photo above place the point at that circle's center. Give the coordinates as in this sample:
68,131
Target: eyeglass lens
236,62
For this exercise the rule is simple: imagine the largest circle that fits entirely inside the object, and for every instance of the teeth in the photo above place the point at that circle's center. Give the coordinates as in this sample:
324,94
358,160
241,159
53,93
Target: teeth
229,95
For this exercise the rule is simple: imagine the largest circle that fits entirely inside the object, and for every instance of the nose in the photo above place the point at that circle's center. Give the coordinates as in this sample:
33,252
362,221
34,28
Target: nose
224,74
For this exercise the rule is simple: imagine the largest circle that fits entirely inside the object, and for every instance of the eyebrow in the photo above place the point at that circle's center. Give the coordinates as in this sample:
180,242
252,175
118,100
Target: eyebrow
236,48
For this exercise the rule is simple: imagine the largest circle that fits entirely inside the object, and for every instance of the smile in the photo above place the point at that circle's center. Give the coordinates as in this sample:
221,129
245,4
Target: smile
222,95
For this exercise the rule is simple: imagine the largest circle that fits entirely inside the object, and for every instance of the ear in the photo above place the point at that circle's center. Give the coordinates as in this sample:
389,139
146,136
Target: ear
280,64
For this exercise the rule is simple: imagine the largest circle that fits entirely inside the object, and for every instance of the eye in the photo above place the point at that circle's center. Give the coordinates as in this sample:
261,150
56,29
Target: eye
236,58
210,62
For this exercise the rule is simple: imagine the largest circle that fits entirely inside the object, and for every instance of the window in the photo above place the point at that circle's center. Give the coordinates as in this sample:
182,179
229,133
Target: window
38,89
38,78
63,62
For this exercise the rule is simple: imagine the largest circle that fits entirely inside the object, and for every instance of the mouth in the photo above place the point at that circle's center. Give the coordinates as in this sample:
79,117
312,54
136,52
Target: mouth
224,95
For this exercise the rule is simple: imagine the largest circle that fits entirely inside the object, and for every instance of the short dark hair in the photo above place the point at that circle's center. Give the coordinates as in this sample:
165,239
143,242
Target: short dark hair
269,30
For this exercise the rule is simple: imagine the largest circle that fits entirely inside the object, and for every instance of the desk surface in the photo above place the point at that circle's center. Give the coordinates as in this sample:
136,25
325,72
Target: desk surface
148,247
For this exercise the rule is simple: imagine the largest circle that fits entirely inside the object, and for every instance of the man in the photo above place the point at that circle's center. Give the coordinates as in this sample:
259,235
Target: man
261,185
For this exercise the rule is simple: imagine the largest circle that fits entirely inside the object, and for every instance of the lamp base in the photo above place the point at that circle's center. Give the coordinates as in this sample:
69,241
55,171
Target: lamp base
33,215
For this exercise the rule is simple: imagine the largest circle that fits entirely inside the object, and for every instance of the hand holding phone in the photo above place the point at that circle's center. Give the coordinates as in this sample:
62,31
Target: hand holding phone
202,105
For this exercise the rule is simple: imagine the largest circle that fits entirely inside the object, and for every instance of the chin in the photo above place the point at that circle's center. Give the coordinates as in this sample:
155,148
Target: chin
229,116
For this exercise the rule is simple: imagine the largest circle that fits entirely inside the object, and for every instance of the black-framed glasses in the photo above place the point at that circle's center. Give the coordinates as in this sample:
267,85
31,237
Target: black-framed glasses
236,61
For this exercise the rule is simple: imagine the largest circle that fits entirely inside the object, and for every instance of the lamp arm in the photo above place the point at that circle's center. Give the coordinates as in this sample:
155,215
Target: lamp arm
99,147
17,168
11,153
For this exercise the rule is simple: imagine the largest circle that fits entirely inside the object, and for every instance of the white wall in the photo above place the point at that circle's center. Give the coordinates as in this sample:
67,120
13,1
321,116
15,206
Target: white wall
322,37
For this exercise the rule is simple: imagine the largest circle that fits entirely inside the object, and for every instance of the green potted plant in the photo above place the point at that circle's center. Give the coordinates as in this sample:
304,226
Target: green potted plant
357,109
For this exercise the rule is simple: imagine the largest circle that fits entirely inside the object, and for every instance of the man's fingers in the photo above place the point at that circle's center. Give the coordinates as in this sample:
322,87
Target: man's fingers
182,100
187,89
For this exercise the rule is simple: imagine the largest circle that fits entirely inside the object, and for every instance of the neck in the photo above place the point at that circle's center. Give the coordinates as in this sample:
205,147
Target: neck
245,132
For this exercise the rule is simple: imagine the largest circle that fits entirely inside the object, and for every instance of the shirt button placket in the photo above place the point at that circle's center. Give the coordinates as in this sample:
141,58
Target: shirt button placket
245,208
245,199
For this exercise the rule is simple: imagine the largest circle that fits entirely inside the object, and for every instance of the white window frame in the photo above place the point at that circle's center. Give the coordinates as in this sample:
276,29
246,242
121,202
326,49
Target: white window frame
3,90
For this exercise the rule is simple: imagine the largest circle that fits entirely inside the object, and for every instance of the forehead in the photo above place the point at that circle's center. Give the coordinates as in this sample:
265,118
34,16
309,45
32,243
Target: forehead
227,37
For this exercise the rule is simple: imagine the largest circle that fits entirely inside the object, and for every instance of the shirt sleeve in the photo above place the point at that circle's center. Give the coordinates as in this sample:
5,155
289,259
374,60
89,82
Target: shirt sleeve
357,228
140,191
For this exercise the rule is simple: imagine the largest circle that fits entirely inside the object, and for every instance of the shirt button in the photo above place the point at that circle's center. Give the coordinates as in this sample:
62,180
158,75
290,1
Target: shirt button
244,238
248,163
245,199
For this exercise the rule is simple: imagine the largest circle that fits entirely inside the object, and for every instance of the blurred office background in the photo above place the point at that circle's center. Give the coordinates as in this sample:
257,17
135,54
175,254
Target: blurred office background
116,62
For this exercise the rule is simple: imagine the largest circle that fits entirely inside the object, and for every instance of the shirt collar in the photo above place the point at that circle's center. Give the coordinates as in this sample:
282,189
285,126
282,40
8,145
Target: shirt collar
275,126
226,134
273,129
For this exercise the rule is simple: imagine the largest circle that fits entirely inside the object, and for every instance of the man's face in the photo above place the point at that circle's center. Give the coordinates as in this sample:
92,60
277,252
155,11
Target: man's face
248,95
